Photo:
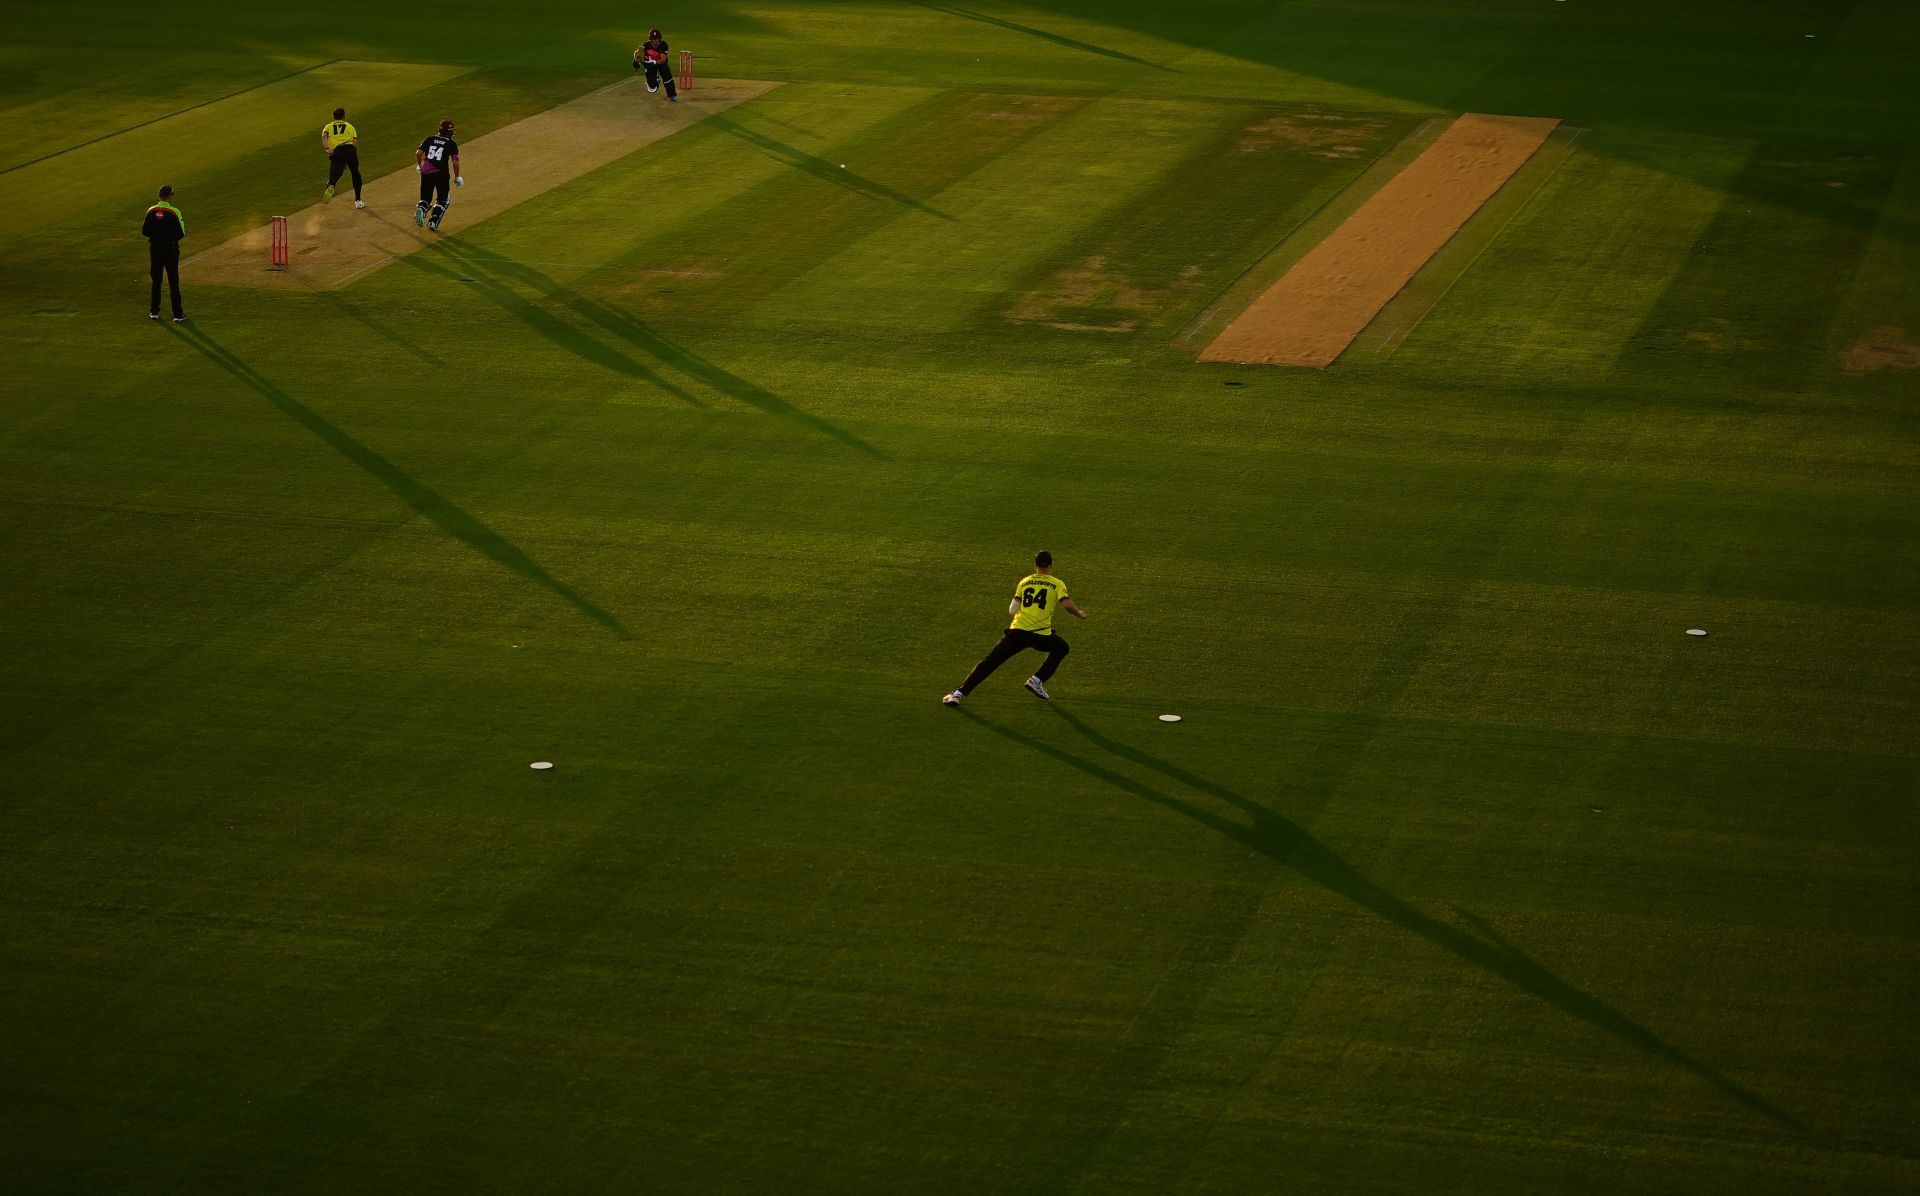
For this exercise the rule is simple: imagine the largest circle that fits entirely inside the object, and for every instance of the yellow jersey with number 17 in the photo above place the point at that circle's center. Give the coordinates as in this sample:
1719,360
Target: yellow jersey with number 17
1038,594
341,132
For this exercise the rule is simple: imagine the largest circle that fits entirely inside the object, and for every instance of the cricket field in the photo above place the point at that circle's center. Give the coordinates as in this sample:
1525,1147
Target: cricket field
700,465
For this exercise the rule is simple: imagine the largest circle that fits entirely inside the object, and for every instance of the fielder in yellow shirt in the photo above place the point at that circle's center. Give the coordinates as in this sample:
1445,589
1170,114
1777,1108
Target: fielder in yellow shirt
342,142
1035,599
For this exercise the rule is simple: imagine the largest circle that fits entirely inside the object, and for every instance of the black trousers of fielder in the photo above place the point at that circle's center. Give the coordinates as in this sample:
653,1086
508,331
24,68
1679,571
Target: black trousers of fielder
1011,644
343,159
661,73
165,259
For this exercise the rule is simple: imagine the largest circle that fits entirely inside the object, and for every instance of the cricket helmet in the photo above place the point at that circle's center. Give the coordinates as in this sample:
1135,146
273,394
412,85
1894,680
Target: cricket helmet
446,128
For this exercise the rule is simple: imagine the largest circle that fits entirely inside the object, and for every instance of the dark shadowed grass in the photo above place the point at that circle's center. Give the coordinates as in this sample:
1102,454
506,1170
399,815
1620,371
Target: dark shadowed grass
1057,39
1288,844
1765,281
423,499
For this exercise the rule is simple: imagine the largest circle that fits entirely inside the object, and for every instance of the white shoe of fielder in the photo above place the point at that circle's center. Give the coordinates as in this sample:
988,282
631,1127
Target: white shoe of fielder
359,203
952,699
1039,689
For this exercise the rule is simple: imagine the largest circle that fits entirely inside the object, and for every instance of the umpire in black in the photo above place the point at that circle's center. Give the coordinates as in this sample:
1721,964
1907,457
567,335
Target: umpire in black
163,228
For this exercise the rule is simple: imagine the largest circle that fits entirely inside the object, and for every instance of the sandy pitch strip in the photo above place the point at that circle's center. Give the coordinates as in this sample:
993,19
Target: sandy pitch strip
1316,308
335,243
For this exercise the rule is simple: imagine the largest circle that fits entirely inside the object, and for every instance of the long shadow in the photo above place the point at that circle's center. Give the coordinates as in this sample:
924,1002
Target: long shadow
619,324
1043,35
561,333
379,329
771,119
1287,843
421,498
822,169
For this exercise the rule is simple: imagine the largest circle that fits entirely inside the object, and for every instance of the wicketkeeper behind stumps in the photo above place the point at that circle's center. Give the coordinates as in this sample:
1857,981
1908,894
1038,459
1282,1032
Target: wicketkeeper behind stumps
651,56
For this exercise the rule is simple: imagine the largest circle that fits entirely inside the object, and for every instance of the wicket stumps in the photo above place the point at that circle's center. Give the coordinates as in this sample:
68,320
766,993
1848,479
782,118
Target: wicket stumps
281,254
686,70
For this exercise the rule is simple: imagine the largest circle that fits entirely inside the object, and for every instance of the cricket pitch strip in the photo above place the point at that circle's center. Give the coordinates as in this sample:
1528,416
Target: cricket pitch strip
1314,311
333,244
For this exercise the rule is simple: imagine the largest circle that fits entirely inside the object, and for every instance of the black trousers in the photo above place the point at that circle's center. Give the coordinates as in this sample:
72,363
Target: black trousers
434,189
659,73
1011,644
164,259
344,158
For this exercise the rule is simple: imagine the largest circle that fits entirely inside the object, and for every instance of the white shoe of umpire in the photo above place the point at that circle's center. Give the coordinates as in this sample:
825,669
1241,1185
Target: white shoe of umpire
1039,689
952,699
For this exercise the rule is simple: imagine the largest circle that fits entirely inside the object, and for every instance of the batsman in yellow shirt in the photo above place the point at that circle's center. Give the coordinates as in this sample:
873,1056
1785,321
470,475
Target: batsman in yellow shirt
1035,599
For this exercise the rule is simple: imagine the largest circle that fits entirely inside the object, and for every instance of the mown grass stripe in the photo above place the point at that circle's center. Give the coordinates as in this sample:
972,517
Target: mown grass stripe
944,271
168,116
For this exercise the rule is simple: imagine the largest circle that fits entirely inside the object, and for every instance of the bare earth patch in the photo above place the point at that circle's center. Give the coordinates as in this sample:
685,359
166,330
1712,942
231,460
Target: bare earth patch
334,244
1089,286
1074,297
1718,335
1328,135
1884,348
1315,310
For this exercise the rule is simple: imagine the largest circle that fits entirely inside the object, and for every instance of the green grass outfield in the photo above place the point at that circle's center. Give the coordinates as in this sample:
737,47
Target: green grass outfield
704,475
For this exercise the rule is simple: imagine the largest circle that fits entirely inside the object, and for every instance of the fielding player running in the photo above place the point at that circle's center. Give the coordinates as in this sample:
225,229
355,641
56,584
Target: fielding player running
437,160
342,144
652,55
1035,599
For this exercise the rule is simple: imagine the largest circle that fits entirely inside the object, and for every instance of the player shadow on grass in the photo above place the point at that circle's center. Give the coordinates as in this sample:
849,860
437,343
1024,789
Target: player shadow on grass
423,499
1287,843
1057,39
487,272
555,329
377,328
824,170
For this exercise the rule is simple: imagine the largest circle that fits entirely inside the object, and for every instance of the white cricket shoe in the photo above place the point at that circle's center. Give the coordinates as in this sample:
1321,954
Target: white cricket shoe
1039,689
359,203
952,699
